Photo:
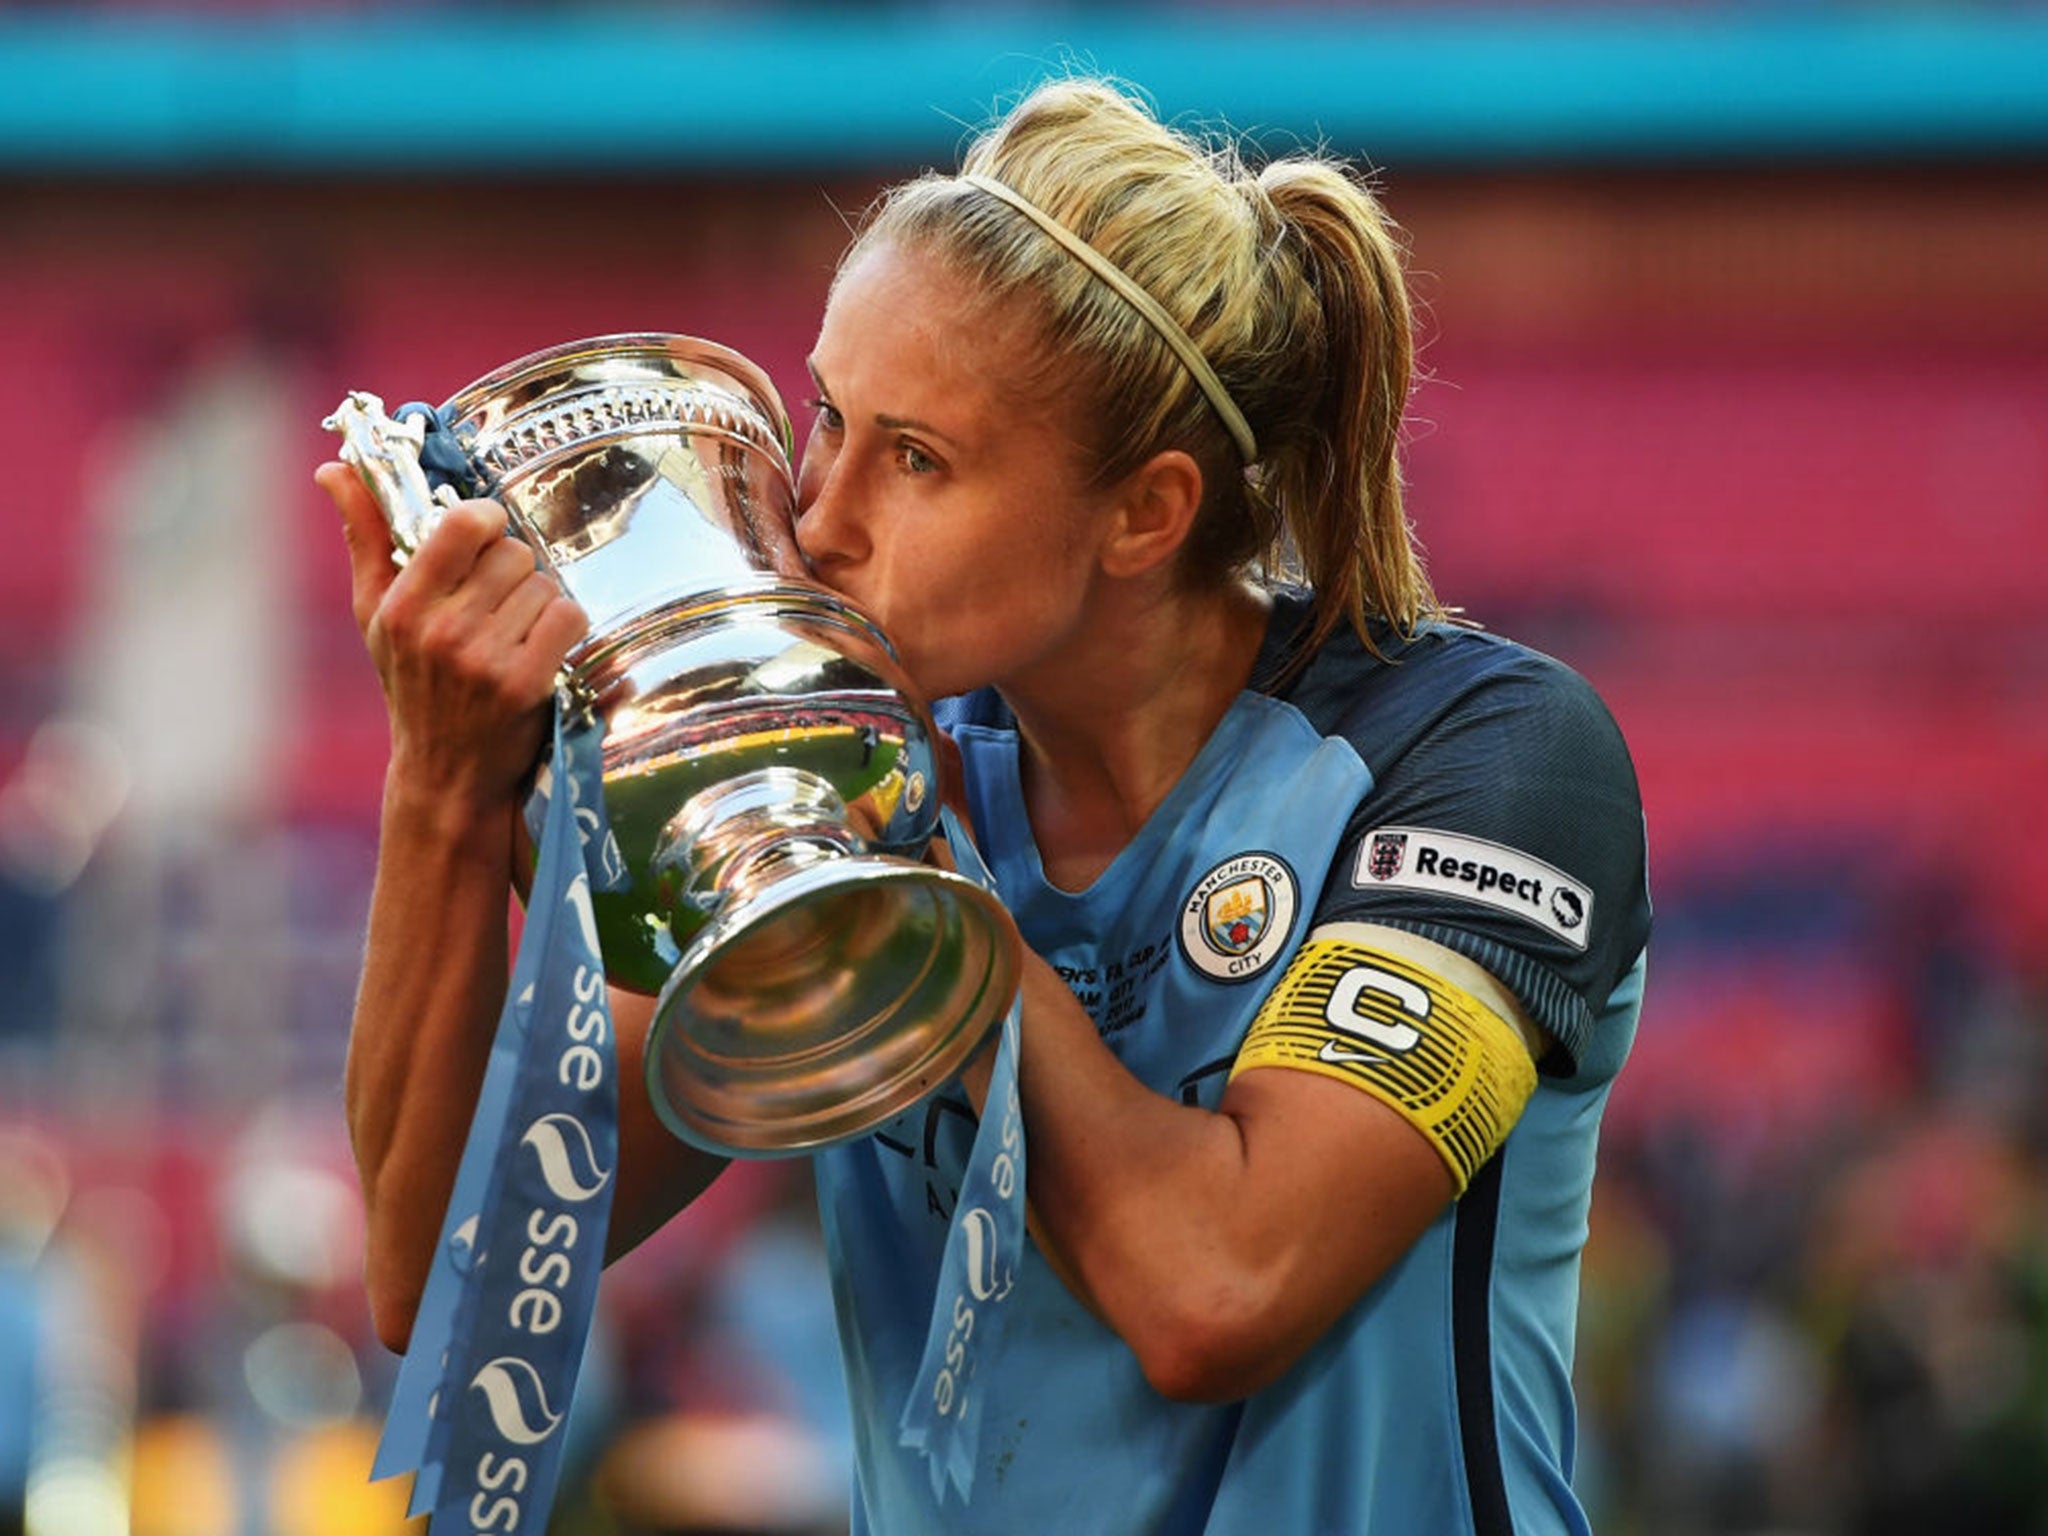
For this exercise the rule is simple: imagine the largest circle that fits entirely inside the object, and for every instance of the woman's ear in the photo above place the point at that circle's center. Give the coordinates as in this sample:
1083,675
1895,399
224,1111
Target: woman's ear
1155,512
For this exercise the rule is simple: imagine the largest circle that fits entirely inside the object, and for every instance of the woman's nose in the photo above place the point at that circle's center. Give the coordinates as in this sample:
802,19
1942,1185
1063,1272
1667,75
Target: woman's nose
826,530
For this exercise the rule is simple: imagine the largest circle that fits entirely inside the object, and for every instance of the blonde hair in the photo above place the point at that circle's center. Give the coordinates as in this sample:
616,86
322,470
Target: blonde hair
1289,281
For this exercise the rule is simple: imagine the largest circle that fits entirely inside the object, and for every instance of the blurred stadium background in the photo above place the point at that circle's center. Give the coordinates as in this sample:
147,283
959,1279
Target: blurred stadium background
1738,344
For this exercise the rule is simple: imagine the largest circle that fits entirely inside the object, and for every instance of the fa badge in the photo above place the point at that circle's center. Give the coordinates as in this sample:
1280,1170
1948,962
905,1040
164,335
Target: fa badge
1383,859
1239,916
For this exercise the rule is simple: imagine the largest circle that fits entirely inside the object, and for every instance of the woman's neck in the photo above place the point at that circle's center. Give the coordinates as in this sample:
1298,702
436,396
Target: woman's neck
1105,741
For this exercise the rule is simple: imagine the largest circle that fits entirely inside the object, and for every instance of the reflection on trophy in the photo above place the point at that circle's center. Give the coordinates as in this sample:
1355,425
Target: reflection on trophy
768,772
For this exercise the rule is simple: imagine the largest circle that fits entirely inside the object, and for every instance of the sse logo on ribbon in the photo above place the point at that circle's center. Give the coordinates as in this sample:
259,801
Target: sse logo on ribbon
486,1386
568,1162
518,1400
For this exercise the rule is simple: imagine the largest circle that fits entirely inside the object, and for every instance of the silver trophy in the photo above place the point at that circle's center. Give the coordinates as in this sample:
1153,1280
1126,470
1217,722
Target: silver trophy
769,773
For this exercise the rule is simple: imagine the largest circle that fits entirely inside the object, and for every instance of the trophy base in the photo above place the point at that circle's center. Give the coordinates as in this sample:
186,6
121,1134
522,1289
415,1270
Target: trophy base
828,1001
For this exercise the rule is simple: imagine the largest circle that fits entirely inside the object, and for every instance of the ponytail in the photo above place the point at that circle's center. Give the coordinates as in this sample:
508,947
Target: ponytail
1337,482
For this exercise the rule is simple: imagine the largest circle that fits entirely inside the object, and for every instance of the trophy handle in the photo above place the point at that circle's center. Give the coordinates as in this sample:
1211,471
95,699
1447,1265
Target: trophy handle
386,453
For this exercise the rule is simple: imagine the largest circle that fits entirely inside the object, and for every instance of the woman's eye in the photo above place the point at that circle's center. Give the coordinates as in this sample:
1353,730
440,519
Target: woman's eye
916,460
828,415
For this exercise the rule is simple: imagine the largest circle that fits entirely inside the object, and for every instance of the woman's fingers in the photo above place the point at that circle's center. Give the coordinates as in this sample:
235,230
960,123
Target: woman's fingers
515,618
366,533
523,603
558,626
449,602
468,639
447,558
494,592
497,594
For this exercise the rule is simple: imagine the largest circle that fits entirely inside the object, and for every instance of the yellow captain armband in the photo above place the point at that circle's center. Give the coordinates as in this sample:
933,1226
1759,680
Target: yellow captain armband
1385,1011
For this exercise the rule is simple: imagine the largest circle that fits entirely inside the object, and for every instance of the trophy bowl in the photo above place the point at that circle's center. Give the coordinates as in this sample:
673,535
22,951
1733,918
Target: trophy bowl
769,773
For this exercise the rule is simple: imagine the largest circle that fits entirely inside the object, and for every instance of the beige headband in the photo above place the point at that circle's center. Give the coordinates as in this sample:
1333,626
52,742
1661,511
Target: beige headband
1155,314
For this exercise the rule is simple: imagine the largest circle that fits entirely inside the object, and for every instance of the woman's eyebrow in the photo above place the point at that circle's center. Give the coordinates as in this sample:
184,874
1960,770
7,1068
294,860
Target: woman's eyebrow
914,424
886,422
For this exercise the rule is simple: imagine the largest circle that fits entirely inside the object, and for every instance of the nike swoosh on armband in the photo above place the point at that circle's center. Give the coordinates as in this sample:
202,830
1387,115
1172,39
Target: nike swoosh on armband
1331,1052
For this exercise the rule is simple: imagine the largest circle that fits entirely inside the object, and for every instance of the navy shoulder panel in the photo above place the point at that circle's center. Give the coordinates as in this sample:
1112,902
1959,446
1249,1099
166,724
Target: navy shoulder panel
1504,819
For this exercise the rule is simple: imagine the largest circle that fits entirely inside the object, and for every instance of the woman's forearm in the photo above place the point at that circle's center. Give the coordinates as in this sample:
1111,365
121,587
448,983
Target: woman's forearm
1217,1244
433,983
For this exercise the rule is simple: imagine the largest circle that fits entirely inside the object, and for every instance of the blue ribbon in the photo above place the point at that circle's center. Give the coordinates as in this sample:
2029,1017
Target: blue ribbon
479,1409
943,1416
442,457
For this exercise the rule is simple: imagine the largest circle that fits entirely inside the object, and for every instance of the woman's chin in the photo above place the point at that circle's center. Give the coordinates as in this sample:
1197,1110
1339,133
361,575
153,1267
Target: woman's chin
936,682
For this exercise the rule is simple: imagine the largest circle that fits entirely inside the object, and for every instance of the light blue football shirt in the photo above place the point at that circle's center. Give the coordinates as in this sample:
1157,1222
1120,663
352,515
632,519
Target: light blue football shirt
1441,1401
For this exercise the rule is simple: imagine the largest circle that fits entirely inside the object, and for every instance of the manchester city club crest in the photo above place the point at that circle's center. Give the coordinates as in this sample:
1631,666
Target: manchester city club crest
1238,918
1236,915
1383,858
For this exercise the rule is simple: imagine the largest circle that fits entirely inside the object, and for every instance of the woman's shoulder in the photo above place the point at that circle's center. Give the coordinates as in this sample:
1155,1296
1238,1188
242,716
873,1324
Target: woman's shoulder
1447,677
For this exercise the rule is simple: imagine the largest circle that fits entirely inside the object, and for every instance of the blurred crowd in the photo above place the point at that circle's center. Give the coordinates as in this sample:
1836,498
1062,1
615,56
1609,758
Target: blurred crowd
1817,1286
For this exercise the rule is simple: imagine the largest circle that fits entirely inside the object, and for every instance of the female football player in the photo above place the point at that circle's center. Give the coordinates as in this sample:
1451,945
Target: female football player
1336,906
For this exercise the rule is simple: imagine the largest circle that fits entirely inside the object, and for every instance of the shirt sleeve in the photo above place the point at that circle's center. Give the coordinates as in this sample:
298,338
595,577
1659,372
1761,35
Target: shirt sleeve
1509,828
